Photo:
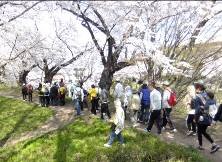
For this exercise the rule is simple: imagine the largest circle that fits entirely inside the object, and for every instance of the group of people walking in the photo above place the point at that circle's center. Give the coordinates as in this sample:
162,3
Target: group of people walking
154,104
141,103
27,90
202,113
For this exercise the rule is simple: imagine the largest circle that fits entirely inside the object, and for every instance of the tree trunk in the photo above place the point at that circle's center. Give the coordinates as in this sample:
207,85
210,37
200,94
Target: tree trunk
49,76
22,76
106,78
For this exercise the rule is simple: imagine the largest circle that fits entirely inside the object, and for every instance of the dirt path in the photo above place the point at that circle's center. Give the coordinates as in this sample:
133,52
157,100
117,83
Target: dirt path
64,115
180,138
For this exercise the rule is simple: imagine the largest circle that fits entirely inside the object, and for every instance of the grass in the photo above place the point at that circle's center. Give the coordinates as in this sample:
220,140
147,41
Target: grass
17,116
83,141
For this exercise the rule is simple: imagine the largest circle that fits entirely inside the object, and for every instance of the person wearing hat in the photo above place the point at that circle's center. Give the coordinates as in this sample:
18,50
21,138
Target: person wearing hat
201,108
54,94
77,97
119,91
93,95
155,108
166,107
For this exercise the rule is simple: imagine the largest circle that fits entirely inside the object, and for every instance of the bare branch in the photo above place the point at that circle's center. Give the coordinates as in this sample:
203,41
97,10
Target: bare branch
23,12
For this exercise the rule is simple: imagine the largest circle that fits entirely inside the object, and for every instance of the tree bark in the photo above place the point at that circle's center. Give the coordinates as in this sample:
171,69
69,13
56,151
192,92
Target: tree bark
106,77
22,76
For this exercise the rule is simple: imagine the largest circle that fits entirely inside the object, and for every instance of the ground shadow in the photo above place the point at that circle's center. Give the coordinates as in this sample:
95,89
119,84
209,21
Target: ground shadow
63,142
16,126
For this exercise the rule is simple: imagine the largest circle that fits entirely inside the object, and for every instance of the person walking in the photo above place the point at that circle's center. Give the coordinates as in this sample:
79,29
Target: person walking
62,94
77,98
119,91
202,117
190,105
40,94
29,92
145,103
54,94
167,108
104,99
127,100
24,91
135,103
155,108
117,124
93,95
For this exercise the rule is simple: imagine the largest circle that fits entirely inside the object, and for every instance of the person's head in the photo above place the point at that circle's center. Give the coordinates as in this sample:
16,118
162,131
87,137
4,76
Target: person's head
210,95
134,79
140,82
92,86
199,86
158,84
144,86
166,84
117,80
152,85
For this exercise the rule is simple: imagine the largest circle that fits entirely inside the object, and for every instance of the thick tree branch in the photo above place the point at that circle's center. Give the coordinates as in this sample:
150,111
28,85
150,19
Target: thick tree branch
23,12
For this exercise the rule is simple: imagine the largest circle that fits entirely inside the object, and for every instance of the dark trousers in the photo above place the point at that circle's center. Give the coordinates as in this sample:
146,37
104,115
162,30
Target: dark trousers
81,105
97,103
201,130
62,100
41,100
54,100
30,97
93,109
46,101
167,118
24,96
154,117
105,109
191,125
144,113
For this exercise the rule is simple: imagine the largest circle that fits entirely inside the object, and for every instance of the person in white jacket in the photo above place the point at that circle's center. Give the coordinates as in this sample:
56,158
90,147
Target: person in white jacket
117,124
167,108
77,98
189,102
155,108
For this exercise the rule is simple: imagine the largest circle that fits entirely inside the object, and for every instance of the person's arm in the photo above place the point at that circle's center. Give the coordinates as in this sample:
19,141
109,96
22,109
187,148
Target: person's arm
165,98
141,95
219,111
152,104
82,95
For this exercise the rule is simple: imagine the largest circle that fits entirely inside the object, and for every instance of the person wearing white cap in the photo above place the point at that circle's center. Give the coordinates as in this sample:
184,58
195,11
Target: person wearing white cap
166,107
77,98
118,91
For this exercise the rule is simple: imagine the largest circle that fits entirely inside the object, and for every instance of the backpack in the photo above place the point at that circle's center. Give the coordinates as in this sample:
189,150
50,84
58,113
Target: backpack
172,101
62,90
146,96
78,94
213,110
205,117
